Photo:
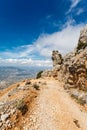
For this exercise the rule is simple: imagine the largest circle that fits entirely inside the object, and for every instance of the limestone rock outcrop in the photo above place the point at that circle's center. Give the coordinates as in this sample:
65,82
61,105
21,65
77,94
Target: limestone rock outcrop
82,43
57,62
83,35
72,68
56,58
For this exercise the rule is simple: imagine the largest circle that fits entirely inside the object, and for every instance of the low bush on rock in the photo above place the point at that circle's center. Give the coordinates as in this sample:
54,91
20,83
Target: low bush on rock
36,86
81,101
81,46
21,106
39,74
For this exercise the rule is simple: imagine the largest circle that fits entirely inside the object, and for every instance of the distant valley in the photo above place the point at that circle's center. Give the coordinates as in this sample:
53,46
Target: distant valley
10,75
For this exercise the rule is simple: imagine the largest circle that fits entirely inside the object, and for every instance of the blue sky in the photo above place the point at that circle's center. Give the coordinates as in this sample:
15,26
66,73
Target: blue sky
30,30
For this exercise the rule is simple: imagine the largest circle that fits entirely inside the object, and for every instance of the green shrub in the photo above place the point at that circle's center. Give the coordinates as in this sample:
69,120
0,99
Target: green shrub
36,86
39,74
81,45
81,101
74,96
21,106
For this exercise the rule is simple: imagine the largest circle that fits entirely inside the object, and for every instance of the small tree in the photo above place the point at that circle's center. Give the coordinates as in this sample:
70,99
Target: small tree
81,45
39,74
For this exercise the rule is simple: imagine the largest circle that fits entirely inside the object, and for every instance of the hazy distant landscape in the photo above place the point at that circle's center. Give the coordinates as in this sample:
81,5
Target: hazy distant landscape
10,75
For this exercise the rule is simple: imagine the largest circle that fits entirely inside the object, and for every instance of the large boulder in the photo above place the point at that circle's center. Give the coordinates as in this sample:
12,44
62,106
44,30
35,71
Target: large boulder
82,43
56,58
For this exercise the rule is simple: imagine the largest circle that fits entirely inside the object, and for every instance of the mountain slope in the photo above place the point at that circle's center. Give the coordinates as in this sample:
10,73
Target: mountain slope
55,110
49,108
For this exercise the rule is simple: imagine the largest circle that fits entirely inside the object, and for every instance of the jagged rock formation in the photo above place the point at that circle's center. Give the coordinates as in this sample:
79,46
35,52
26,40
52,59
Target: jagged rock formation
77,69
57,62
57,58
72,68
47,73
77,72
82,43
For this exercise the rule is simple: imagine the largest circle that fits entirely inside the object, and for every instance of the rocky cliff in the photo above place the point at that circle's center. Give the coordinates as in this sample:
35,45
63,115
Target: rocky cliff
72,68
82,43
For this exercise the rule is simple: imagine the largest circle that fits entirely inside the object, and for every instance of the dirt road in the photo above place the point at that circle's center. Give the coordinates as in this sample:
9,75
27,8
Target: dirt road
55,110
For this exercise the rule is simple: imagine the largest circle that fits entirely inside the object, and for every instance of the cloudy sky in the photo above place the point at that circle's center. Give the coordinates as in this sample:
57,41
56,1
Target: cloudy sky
31,29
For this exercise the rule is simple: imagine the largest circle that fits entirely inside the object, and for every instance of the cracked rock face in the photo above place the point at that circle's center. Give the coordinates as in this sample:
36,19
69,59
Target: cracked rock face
83,35
56,58
72,68
82,43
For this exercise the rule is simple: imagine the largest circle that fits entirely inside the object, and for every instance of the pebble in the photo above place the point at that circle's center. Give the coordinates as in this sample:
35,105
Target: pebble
12,111
8,121
4,117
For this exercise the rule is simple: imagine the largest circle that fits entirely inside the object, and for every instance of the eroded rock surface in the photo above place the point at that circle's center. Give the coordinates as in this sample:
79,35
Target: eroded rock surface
57,58
82,43
72,68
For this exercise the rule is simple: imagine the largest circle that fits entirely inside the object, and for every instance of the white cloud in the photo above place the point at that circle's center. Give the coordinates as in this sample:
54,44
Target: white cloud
74,3
81,10
64,40
25,62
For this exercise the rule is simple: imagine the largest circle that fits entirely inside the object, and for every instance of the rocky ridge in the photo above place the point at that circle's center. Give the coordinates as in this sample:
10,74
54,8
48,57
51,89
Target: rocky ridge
82,43
16,101
72,68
